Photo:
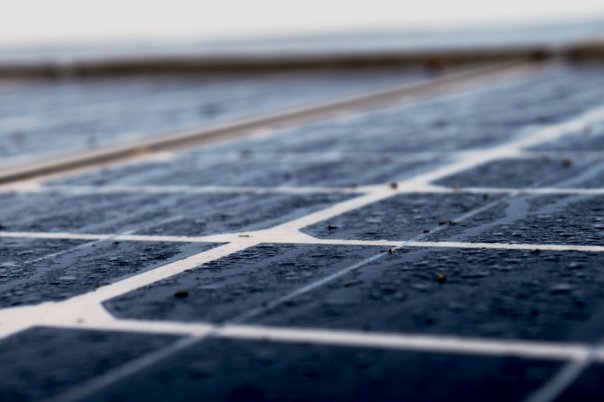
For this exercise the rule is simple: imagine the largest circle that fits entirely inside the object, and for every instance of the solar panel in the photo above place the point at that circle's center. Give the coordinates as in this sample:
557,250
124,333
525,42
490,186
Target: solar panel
450,247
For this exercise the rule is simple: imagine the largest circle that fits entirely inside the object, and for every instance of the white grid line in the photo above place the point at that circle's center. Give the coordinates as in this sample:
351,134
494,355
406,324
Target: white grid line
190,189
301,238
397,341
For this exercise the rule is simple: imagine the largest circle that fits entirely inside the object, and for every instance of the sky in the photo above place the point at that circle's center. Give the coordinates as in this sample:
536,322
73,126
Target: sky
42,21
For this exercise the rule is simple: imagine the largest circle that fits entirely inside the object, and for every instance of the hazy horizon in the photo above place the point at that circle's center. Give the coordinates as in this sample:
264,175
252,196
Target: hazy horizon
67,21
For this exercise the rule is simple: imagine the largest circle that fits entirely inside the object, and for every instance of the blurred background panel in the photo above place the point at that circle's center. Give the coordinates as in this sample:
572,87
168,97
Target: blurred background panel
43,119
224,61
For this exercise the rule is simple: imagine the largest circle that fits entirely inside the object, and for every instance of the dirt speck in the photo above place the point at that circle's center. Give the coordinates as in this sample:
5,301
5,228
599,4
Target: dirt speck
567,162
181,294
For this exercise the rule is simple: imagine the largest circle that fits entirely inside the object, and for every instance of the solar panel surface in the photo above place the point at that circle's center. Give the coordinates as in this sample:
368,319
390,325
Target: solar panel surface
62,117
410,252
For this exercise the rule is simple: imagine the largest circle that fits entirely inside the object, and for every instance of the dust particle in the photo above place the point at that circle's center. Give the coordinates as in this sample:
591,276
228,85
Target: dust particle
182,293
567,162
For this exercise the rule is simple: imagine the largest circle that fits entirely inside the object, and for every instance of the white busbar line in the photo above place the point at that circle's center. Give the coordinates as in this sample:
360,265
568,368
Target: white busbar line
426,343
559,382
